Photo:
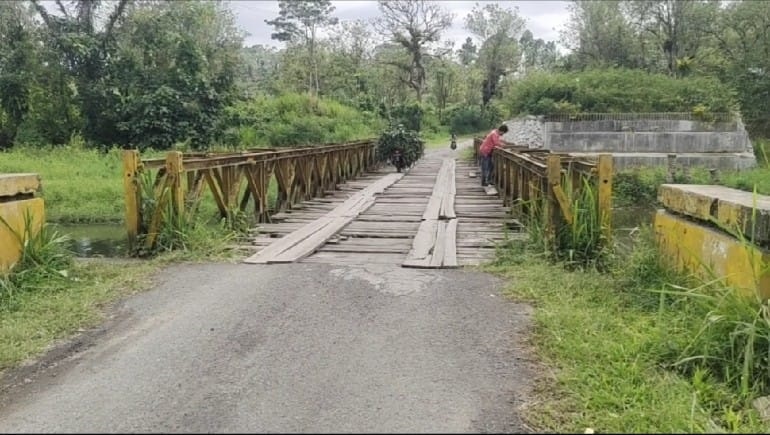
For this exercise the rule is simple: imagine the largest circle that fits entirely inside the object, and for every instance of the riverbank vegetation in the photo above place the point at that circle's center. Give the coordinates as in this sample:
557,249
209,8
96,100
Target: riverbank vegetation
639,349
636,346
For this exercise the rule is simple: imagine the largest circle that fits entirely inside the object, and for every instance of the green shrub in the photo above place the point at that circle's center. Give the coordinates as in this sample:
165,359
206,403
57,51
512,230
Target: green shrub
294,119
399,137
410,115
472,119
762,151
617,90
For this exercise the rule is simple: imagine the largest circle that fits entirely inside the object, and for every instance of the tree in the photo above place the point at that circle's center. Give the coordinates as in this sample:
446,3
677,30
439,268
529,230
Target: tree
298,22
85,49
679,27
174,72
444,76
599,35
413,25
17,50
499,30
349,75
743,42
259,72
467,52
536,53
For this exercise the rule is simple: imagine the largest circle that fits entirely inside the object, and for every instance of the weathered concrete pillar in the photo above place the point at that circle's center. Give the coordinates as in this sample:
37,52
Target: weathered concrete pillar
21,215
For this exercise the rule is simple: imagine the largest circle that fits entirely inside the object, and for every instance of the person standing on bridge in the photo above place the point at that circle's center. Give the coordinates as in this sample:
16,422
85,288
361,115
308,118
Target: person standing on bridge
492,141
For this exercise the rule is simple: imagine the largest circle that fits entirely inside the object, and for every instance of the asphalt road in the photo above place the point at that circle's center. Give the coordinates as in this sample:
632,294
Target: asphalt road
288,348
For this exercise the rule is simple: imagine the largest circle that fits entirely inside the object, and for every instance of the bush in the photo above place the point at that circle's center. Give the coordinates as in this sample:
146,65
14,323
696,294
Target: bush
399,137
472,119
617,90
294,119
409,115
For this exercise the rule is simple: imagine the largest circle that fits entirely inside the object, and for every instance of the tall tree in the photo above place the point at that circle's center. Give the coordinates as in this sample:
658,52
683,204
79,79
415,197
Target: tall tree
467,52
17,49
499,30
414,25
175,71
743,40
599,34
85,48
536,53
299,21
679,27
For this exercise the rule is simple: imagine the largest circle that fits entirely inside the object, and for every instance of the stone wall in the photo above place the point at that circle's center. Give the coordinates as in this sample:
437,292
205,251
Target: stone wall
525,131
721,145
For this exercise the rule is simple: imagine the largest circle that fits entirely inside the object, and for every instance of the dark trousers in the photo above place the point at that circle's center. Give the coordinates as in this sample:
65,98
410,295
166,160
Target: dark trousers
486,169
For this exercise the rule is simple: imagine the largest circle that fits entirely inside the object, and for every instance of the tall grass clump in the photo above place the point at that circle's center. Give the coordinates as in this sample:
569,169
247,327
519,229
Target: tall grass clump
189,231
44,260
762,152
578,243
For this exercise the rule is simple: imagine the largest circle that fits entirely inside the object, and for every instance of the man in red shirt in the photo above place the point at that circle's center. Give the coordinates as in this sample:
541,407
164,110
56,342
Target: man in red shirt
492,141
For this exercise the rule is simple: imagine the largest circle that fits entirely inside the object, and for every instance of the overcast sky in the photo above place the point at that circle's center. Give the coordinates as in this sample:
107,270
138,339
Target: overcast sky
544,18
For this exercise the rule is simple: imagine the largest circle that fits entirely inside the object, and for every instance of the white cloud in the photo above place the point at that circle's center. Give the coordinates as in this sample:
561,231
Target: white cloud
544,18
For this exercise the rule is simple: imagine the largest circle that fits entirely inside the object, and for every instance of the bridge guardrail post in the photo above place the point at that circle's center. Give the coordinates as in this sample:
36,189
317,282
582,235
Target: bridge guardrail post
553,175
174,169
605,195
133,195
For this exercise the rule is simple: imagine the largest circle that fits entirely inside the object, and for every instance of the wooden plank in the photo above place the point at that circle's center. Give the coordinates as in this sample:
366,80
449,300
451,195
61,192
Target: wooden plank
363,249
450,249
313,235
437,257
424,240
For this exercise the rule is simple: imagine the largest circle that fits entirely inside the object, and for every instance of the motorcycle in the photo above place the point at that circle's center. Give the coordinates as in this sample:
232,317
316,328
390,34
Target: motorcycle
398,160
453,145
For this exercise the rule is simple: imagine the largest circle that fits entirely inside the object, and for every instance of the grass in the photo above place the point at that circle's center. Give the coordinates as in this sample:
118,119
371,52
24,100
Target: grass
640,185
613,343
639,347
79,185
34,318
49,296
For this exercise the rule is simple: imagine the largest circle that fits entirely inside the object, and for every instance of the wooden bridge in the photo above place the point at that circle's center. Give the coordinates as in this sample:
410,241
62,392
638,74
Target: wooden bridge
337,204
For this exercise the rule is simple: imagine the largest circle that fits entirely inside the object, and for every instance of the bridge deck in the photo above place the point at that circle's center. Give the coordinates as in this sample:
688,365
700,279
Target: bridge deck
385,232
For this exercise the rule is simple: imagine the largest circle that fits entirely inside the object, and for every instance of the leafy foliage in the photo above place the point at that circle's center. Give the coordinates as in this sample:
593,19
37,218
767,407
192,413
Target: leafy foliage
294,119
617,90
403,139
464,119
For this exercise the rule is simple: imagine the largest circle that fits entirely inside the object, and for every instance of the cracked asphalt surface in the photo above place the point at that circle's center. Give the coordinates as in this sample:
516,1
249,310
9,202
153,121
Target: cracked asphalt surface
301,347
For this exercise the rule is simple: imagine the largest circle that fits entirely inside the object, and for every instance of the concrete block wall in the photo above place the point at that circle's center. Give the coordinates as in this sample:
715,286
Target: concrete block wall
634,143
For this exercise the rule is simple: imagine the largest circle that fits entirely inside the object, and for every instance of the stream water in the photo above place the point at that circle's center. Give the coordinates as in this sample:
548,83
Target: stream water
95,240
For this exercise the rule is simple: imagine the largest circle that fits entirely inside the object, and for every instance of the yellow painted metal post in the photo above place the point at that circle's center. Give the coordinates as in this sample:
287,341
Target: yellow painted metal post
605,195
133,194
175,170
